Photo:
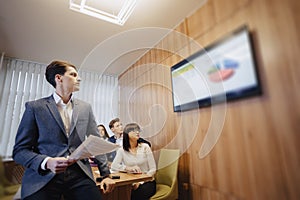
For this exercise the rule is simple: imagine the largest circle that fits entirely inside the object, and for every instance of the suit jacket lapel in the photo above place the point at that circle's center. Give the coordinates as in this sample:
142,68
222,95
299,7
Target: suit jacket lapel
55,113
77,109
74,115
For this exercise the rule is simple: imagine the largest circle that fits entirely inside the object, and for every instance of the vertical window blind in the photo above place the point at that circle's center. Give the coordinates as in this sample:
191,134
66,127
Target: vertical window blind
22,81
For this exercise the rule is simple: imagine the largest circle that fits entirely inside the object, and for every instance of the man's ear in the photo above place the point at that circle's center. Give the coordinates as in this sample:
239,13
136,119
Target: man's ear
58,78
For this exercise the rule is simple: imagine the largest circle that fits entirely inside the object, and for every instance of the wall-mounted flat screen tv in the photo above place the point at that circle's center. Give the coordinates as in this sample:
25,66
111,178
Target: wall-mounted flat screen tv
223,71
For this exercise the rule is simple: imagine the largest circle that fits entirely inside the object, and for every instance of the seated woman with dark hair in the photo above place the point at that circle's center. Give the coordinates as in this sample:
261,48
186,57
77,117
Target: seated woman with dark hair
103,132
136,157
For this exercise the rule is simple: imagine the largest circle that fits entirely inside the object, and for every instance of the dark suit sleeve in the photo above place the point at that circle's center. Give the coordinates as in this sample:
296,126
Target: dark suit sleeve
100,160
102,164
25,151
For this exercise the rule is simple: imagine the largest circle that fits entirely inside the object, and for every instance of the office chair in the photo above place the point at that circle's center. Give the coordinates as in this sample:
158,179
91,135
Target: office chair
7,189
166,175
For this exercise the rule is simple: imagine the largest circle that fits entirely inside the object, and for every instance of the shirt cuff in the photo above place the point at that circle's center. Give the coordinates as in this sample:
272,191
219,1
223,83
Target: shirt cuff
43,165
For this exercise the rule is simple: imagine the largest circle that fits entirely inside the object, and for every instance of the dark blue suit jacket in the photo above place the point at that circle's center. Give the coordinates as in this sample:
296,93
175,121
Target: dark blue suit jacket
41,134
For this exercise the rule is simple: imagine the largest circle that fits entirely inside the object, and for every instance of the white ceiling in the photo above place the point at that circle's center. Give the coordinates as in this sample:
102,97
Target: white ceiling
41,31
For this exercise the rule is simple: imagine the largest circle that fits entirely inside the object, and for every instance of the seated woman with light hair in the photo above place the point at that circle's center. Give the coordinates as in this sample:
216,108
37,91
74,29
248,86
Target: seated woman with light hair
136,157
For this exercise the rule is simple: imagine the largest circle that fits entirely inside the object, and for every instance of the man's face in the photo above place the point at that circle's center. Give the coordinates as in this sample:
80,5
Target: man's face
117,128
70,80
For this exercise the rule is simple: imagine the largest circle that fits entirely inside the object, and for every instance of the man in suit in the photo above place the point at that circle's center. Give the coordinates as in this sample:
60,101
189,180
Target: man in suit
50,130
116,127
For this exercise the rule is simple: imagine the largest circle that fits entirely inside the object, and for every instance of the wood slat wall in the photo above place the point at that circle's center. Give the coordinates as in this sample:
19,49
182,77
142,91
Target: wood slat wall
257,154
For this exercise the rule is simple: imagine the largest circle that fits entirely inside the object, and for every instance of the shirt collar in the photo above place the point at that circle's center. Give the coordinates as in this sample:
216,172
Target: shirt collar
121,136
58,99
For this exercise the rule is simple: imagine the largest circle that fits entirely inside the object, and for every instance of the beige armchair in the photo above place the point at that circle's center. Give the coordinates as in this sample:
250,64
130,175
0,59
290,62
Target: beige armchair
7,189
166,176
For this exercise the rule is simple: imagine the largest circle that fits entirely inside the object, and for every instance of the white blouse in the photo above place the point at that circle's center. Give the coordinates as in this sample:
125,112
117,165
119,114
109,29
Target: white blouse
143,158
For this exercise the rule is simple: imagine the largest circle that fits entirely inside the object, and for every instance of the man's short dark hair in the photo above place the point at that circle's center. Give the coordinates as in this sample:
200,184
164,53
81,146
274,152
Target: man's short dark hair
112,122
56,67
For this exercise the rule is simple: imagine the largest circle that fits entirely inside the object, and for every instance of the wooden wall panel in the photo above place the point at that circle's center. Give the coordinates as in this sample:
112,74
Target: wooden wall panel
257,154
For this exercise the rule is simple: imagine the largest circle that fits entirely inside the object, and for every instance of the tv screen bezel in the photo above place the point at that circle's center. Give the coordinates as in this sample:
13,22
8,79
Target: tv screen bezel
230,96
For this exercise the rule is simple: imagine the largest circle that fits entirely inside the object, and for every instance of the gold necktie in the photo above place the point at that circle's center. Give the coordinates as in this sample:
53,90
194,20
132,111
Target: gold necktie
66,117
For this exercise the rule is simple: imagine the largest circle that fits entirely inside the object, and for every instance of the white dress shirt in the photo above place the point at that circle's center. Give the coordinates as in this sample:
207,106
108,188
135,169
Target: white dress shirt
143,158
66,111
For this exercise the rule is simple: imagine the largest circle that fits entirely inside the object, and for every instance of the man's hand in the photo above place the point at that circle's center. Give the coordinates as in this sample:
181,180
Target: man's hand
135,186
107,185
58,164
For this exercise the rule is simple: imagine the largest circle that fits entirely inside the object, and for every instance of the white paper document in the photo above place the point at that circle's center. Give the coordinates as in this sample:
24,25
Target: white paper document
93,146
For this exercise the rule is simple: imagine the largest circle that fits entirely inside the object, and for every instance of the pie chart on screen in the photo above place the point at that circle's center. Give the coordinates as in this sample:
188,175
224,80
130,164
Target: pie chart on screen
223,70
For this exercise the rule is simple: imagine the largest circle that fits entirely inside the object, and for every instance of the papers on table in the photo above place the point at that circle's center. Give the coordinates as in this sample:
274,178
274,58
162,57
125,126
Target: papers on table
93,146
111,171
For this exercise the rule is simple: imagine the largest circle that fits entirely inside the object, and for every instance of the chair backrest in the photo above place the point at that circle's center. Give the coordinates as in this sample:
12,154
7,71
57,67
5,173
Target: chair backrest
3,179
167,167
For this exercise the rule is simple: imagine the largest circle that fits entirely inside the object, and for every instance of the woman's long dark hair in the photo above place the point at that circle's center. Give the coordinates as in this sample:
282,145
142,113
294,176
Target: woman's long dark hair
105,131
128,128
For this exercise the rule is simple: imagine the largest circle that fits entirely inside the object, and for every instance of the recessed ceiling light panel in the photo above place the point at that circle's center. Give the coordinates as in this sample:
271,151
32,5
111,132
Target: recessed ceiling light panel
116,11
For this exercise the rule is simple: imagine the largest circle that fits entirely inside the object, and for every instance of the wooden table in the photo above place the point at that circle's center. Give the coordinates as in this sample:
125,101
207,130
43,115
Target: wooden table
123,185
